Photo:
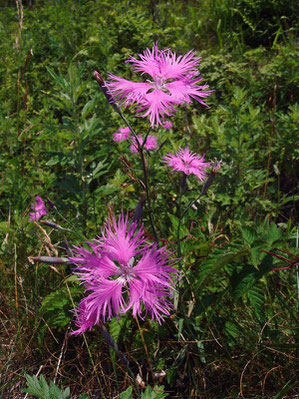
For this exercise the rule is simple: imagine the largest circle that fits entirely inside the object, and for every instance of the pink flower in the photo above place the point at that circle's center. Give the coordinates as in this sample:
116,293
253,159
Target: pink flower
38,208
174,82
151,143
188,163
120,273
216,165
167,125
122,134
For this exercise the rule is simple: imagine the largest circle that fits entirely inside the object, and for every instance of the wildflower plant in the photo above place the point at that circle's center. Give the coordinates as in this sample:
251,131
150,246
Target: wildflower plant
174,81
125,269
121,271
195,272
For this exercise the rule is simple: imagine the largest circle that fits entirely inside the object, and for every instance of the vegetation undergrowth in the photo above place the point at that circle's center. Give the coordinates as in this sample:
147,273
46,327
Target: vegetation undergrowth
234,328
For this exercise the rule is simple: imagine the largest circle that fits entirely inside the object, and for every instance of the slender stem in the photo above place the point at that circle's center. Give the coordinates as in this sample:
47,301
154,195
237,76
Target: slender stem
80,156
297,270
271,140
112,344
140,147
145,173
207,184
146,136
145,349
85,341
179,252
130,127
16,285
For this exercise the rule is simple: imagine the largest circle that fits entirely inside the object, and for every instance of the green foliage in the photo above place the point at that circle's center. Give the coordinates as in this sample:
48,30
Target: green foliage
40,389
127,394
154,393
231,307
150,393
55,310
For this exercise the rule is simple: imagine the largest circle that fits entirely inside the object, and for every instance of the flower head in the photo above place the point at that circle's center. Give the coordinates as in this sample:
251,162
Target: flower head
122,134
121,272
150,144
167,125
188,162
38,209
174,81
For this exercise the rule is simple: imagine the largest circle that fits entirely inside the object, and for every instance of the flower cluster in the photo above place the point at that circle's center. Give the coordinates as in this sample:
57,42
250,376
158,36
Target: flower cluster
167,125
174,81
121,272
38,209
122,134
150,144
188,163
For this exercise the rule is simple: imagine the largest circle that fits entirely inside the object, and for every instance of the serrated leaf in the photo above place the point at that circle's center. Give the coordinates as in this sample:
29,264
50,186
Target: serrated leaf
38,388
255,256
217,261
127,394
256,299
4,227
248,234
231,329
42,390
44,386
116,325
55,392
67,393
171,374
56,309
154,393
275,234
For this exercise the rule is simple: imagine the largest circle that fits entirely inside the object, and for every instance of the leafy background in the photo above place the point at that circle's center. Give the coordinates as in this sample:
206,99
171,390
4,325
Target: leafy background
234,330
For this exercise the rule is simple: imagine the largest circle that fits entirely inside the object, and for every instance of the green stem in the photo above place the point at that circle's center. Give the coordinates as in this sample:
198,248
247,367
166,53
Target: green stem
85,340
112,102
207,184
179,252
80,157
146,136
145,174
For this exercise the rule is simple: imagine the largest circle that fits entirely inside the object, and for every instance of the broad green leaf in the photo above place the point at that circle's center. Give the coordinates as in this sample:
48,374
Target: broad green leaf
127,394
154,393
